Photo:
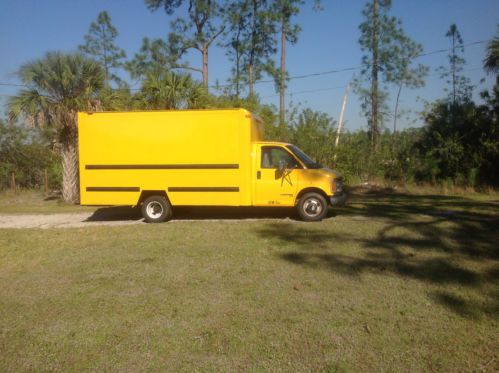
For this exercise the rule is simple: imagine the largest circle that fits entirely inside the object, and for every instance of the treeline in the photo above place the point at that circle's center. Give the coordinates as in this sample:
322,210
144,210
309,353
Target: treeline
458,144
26,154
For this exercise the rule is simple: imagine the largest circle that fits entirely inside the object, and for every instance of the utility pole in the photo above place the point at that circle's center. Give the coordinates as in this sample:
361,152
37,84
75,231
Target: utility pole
340,121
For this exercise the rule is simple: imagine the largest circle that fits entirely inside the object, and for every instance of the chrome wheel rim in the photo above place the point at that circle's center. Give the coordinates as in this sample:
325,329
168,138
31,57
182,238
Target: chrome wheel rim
154,209
312,207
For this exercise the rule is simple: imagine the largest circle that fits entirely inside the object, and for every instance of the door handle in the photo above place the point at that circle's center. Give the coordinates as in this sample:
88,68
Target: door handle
258,174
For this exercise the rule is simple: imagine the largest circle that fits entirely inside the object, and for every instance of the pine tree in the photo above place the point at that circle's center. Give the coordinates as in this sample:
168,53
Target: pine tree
460,85
197,32
100,45
388,54
284,11
156,56
250,40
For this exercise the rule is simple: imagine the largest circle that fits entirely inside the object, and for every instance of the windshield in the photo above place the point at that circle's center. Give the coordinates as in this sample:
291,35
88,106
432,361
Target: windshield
309,162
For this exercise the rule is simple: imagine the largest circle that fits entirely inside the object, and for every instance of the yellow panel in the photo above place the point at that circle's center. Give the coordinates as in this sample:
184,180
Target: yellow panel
127,152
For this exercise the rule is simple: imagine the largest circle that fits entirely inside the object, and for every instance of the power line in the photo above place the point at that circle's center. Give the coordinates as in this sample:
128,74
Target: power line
448,49
343,86
293,77
352,68
315,90
13,84
304,76
307,91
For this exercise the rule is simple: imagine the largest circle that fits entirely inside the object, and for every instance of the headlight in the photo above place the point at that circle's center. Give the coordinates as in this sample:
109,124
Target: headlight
337,185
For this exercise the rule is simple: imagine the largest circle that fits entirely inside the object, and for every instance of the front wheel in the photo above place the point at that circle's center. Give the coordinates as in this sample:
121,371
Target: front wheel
312,207
156,209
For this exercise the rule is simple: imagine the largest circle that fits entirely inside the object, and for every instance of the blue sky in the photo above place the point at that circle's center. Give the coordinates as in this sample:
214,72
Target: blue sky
29,28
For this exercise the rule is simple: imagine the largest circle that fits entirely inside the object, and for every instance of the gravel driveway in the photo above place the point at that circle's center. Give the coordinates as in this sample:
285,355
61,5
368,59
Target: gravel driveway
70,220
116,216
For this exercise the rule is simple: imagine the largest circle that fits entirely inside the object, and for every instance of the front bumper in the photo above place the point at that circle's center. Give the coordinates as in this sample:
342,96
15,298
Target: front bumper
338,199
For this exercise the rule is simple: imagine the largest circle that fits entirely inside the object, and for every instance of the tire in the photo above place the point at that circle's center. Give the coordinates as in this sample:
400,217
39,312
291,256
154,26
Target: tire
156,209
312,207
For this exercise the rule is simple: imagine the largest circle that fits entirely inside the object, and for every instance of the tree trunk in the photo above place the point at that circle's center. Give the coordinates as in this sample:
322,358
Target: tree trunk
238,75
282,86
394,139
70,180
251,77
250,80
374,77
453,67
238,64
104,51
205,66
396,110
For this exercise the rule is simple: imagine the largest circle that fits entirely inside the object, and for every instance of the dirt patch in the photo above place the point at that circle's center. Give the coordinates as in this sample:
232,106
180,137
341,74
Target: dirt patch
67,220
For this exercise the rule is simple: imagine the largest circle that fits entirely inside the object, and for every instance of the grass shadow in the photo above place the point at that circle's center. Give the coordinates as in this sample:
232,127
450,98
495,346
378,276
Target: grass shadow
469,308
115,213
414,241
118,213
53,198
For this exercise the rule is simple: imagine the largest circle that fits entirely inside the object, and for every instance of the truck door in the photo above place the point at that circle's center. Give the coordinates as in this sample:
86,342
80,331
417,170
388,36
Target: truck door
275,185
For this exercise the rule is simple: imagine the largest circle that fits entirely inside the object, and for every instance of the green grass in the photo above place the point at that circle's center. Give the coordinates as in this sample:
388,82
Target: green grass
393,282
35,201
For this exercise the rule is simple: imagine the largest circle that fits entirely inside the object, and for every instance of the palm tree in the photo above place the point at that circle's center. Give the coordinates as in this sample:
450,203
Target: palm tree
491,61
167,90
57,86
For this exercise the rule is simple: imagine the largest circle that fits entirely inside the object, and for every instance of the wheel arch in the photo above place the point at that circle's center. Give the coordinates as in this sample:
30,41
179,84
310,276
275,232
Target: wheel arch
147,193
311,190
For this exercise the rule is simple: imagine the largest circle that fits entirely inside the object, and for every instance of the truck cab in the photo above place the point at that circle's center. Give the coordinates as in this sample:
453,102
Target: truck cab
285,176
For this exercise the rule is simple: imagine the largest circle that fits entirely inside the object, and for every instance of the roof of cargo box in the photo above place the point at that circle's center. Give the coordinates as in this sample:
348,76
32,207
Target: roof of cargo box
161,111
256,117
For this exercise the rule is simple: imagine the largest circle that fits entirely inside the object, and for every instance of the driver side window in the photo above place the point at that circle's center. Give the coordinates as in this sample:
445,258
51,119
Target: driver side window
271,156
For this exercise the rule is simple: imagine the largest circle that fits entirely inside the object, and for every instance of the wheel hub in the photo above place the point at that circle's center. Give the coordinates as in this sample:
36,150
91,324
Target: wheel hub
154,209
312,207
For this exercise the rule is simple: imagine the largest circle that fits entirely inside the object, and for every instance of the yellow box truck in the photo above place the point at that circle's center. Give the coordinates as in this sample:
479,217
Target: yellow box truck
163,159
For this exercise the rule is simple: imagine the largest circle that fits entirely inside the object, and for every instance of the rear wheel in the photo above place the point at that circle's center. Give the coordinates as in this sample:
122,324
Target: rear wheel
156,209
312,207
